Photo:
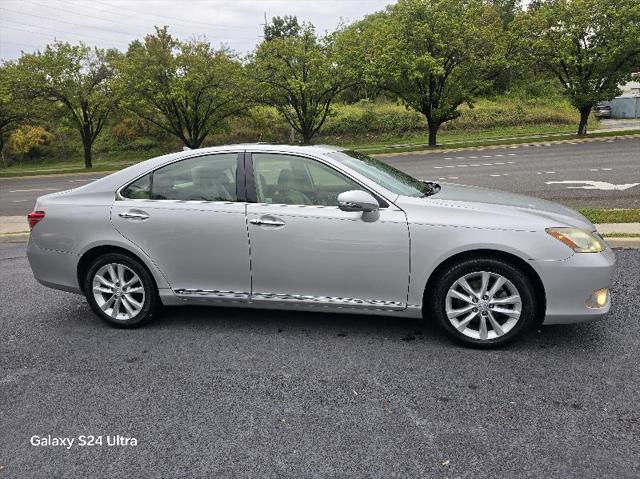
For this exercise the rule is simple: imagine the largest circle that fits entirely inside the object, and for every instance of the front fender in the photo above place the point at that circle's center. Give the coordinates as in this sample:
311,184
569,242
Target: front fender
432,245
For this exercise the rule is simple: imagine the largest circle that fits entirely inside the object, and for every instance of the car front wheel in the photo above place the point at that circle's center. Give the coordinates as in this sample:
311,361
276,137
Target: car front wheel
484,303
121,291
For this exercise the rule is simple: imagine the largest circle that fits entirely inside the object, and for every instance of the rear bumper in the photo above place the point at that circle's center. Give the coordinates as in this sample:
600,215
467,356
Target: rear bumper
569,283
52,268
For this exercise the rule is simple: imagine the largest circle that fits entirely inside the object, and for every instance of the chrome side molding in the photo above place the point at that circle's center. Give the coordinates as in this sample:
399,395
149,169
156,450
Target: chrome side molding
330,300
212,293
335,301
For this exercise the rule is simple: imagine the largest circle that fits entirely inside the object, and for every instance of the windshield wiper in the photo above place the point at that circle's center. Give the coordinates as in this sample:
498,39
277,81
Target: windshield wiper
433,188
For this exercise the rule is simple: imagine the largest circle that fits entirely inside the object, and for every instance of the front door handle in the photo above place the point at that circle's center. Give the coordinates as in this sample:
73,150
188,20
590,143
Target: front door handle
266,222
135,216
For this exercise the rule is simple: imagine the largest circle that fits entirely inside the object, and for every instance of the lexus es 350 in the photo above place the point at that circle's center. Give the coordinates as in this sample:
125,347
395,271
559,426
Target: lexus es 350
318,228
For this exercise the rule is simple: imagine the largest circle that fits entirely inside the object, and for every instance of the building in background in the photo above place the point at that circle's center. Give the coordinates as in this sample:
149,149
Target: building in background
627,105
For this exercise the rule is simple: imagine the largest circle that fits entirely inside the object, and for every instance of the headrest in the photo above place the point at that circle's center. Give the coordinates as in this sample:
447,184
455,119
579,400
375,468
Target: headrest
284,178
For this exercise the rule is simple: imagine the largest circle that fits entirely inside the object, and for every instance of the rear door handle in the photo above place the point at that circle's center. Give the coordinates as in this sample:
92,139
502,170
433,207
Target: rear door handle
266,222
130,215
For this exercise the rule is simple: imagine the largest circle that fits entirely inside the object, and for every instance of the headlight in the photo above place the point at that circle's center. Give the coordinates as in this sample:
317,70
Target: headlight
579,240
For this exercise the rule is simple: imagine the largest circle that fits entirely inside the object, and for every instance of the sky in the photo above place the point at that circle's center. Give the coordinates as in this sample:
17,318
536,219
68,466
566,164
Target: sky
28,25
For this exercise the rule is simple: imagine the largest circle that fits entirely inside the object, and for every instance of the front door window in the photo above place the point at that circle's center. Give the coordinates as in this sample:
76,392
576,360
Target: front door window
294,180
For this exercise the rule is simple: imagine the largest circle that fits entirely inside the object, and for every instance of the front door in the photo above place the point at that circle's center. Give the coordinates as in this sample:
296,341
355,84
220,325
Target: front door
305,249
187,218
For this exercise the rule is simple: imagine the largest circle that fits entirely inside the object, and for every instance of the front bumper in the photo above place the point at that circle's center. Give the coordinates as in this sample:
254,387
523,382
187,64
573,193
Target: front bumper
569,283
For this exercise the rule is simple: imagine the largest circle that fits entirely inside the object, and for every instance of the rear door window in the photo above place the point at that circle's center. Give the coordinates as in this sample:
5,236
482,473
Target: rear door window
203,178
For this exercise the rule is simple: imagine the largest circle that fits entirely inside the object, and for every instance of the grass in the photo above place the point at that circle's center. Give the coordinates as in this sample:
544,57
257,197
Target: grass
102,161
602,215
622,235
469,141
419,138
16,171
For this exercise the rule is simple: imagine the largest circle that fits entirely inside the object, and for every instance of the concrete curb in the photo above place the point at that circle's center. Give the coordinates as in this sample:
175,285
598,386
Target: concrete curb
624,243
613,229
14,237
13,224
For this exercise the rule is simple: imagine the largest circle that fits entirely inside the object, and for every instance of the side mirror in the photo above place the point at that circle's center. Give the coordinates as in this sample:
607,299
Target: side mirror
357,200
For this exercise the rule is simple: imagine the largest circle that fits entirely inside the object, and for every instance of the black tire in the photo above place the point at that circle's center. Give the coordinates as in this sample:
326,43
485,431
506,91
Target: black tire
150,303
435,300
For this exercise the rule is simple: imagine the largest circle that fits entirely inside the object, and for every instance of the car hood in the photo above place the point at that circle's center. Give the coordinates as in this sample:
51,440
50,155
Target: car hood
507,210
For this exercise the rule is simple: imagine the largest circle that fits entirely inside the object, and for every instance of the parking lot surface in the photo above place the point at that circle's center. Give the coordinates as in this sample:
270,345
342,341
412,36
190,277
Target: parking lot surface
249,393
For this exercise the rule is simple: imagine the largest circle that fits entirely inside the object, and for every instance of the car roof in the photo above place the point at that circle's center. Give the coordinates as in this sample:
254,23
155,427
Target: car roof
309,149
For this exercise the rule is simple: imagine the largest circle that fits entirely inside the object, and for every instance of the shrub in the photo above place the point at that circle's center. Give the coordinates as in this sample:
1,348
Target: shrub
260,124
367,117
130,129
499,114
29,139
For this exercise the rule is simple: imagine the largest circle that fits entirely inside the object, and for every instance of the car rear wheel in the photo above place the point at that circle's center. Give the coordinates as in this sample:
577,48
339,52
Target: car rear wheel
121,291
483,303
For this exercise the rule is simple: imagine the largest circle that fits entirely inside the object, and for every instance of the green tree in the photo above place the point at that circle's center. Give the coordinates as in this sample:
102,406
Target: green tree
435,55
590,46
301,77
508,9
11,115
76,79
187,89
279,27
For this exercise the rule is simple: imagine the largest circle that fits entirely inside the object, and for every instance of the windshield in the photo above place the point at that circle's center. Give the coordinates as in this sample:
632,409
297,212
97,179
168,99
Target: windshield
385,175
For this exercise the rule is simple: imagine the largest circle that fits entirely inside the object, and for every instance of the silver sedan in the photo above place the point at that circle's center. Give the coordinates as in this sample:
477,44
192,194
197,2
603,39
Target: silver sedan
318,228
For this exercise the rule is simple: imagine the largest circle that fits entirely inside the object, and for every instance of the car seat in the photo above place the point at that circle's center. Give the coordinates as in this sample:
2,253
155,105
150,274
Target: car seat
286,192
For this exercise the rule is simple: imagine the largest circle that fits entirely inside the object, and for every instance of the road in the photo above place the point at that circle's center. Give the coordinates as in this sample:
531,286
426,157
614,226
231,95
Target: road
546,170
241,393
532,170
18,195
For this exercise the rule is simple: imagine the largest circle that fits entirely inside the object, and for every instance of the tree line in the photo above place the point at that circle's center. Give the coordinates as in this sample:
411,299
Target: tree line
432,55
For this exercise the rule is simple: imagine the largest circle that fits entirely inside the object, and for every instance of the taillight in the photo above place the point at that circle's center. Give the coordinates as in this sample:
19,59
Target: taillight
34,218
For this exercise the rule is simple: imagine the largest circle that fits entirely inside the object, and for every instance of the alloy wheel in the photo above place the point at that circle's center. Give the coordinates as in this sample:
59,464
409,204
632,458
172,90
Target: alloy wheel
483,305
118,291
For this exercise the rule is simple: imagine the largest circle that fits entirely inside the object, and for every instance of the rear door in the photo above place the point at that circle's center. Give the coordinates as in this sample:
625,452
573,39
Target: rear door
189,219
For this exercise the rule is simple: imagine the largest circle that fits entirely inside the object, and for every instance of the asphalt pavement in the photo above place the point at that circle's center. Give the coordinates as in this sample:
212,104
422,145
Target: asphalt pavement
601,174
604,174
246,393
18,195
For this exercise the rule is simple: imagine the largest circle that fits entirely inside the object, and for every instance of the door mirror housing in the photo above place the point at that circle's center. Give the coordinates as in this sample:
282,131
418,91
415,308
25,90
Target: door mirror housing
357,200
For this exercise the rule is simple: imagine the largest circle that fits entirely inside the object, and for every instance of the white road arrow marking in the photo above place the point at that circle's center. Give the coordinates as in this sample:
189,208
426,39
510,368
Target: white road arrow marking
595,185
